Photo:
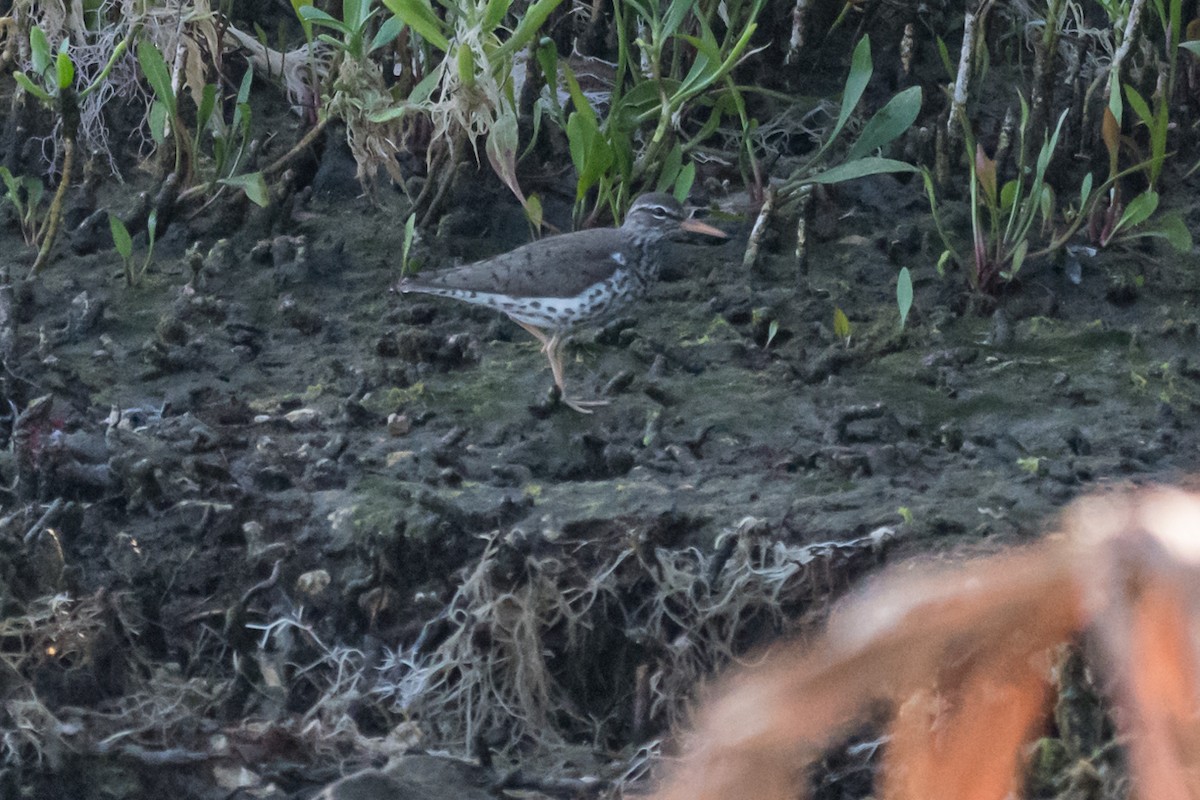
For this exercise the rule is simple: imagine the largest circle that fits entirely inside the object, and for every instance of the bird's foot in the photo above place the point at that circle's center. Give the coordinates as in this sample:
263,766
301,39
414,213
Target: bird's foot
582,406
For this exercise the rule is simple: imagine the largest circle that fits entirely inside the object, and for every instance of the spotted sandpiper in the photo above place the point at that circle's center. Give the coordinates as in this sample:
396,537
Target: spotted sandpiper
551,286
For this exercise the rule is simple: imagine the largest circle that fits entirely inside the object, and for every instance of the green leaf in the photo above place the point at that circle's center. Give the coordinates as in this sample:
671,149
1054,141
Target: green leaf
355,13
683,184
314,15
1192,47
32,88
10,183
493,14
39,51
1172,228
856,83
676,11
841,325
241,107
208,102
1008,195
418,15
670,169
904,294
120,236
502,143
305,24
1138,211
157,75
1048,148
861,168
944,52
157,120
387,33
65,70
1018,258
1047,204
1085,191
529,26
253,184
889,122
1139,105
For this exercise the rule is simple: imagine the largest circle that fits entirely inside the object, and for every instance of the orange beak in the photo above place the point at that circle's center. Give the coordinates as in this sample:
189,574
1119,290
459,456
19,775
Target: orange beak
696,226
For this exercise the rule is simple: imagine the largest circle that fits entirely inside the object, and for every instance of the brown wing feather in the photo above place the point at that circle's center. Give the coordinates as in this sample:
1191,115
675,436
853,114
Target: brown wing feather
561,266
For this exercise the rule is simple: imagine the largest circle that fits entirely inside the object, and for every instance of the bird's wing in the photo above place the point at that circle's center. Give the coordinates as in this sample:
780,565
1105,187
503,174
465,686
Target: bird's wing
561,266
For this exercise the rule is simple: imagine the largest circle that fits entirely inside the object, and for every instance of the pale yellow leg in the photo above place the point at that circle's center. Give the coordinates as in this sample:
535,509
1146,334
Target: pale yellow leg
552,346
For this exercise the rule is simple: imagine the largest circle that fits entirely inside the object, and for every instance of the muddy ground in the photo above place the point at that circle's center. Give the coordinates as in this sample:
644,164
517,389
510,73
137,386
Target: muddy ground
298,525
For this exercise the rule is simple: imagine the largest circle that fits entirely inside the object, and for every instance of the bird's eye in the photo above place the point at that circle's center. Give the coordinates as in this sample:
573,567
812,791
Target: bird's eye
660,212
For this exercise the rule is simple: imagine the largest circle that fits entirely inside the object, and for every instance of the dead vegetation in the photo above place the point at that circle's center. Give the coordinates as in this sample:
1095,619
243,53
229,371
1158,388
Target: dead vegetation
965,660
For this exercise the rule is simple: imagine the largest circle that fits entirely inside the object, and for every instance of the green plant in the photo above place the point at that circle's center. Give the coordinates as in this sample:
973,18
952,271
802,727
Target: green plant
25,194
893,119
410,235
51,81
468,93
662,78
904,294
123,243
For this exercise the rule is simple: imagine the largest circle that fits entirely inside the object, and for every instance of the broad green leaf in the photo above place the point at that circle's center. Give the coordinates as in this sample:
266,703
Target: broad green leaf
120,236
305,24
529,26
1018,258
501,147
944,52
683,184
1172,228
387,33
157,75
418,15
1047,204
65,69
841,324
1139,106
32,88
889,122
676,11
208,102
315,15
1191,47
904,294
861,168
1139,210
1008,195
39,51
253,184
355,13
241,107
493,14
1047,151
582,106
157,120
34,189
533,211
1085,191
670,169
856,83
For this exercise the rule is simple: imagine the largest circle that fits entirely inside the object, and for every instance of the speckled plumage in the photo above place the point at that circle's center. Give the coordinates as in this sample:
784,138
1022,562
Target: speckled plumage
561,282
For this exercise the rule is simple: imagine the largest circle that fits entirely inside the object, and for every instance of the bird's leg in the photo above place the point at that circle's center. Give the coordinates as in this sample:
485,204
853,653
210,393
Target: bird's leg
554,354
537,333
